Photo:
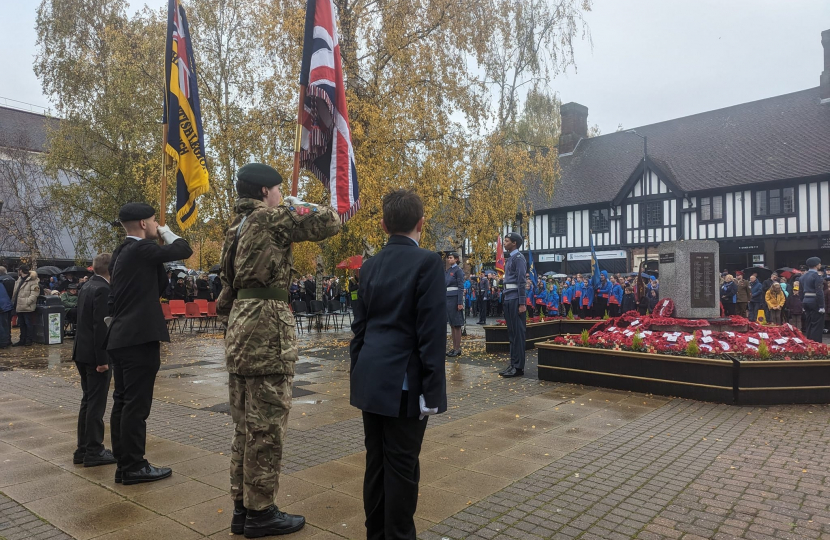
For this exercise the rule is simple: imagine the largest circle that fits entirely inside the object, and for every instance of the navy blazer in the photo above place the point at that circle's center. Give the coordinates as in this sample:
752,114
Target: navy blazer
400,327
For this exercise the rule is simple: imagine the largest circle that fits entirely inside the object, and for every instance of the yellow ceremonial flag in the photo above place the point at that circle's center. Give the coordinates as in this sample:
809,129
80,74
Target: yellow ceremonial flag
185,137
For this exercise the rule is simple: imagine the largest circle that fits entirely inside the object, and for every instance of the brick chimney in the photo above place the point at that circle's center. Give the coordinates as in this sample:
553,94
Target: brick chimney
574,125
825,75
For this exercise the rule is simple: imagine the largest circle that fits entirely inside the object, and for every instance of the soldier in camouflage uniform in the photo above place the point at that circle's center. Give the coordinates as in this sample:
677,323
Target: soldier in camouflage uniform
260,345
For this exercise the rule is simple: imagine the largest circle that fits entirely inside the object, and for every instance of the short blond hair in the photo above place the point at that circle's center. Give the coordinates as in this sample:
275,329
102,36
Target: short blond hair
101,263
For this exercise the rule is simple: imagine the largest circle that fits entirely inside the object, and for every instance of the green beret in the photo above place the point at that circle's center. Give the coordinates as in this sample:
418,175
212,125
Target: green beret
259,174
135,212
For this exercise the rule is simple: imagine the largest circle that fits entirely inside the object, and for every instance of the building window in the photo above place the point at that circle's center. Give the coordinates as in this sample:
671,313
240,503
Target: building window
600,220
558,225
711,208
651,214
775,202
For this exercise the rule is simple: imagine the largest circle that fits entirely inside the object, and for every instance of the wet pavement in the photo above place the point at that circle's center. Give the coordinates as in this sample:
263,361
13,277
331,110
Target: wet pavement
514,458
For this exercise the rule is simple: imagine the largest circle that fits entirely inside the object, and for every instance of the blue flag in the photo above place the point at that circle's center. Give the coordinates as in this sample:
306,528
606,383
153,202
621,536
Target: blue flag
595,281
533,277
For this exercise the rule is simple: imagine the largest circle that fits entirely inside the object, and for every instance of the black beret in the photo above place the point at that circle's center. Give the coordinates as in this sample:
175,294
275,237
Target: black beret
813,261
454,254
259,174
516,237
135,211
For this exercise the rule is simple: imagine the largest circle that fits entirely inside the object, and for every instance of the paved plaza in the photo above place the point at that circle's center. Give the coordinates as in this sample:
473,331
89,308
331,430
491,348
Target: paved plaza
511,459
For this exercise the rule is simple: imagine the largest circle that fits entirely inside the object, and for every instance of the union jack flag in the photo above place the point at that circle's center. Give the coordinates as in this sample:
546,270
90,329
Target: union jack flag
326,145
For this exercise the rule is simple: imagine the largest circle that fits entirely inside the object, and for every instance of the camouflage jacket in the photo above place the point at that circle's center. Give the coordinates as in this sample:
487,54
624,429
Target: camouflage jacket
260,338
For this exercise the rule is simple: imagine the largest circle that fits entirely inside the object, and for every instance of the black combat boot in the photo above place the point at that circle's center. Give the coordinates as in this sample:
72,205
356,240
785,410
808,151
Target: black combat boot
238,520
270,522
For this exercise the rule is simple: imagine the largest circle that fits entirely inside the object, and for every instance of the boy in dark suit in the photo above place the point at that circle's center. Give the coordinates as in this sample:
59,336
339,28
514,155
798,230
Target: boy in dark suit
397,364
92,362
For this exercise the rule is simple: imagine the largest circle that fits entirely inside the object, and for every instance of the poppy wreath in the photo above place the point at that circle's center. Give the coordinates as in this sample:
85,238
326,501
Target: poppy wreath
757,343
665,308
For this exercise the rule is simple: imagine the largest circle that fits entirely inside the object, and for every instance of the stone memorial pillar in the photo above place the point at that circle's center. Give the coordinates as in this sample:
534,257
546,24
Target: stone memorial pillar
690,276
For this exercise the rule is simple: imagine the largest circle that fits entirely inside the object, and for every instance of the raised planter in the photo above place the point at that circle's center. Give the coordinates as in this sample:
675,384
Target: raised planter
496,338
695,378
576,326
788,381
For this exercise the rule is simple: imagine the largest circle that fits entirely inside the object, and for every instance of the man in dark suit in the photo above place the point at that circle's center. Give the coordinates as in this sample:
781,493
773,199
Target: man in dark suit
136,328
92,361
397,364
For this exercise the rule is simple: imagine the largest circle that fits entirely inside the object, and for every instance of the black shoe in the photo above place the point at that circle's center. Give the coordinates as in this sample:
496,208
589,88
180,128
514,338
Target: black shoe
458,352
118,475
104,458
271,522
147,473
451,353
505,370
78,457
512,372
238,519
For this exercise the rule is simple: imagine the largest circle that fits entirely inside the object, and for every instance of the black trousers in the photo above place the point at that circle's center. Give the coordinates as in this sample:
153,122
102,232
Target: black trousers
390,485
95,386
24,321
813,323
134,369
482,310
600,306
516,331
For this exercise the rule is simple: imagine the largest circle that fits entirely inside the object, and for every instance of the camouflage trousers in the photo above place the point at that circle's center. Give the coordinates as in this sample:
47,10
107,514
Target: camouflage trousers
259,407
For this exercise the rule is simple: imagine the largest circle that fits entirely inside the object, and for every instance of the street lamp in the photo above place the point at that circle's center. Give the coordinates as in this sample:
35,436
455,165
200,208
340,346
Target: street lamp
645,158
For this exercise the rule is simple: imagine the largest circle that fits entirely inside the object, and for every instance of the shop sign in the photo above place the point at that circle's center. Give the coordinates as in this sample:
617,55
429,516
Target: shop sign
586,255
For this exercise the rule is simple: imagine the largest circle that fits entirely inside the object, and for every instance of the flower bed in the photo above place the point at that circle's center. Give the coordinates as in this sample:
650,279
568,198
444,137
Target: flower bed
496,337
726,360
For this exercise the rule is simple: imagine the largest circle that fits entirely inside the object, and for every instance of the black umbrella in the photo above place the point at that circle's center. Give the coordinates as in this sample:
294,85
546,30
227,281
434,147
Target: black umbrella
215,269
763,272
75,270
48,271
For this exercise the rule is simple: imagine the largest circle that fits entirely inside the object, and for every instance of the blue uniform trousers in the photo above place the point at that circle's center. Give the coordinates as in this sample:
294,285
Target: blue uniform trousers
516,330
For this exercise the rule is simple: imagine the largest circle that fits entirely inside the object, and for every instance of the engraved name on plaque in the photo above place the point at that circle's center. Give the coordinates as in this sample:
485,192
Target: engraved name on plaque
703,280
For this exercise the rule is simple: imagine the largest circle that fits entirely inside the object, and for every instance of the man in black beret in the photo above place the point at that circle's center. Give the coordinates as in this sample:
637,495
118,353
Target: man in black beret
515,269
137,326
811,291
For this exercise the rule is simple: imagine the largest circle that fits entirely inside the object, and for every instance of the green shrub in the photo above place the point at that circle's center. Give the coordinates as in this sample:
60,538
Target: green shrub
585,337
763,350
692,349
636,342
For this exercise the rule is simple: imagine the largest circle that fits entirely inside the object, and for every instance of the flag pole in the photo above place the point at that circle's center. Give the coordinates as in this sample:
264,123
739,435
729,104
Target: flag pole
298,139
164,158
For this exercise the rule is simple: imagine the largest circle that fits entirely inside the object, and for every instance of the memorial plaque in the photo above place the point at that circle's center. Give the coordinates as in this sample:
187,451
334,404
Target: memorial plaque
704,288
666,258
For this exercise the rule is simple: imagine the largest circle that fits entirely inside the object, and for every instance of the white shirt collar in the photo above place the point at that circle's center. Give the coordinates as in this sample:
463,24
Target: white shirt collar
514,252
102,277
135,238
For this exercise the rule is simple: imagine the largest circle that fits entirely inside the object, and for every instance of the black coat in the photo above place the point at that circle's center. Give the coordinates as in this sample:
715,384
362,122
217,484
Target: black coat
203,290
311,289
399,328
90,330
138,281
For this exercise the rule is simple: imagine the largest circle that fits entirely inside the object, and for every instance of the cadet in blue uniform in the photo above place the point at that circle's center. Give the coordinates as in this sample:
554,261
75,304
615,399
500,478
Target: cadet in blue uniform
483,296
454,280
515,269
811,291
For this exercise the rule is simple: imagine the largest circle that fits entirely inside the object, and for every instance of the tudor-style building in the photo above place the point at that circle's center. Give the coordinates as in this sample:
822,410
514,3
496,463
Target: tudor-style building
755,177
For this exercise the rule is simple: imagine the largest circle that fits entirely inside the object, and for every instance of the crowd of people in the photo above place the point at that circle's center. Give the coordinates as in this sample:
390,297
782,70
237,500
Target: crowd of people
777,297
575,295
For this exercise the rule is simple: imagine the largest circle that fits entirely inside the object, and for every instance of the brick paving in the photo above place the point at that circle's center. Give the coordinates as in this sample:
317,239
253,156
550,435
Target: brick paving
675,469
18,523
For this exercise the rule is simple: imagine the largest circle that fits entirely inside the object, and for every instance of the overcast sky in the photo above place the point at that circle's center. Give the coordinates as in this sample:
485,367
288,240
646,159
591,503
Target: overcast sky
651,60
